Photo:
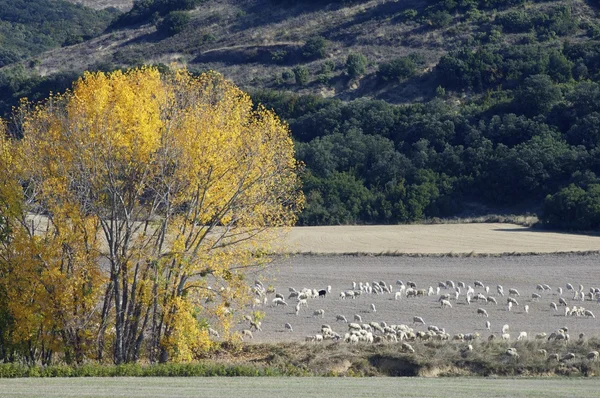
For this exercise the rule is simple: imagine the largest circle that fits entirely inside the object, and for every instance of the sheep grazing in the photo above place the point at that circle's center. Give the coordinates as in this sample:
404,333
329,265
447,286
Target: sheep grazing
512,300
320,312
293,295
505,328
526,308
398,295
297,309
569,287
593,355
450,284
461,284
535,296
567,311
407,347
560,291
357,318
562,301
589,314
444,297
478,284
256,325
481,311
446,303
373,309
278,301
492,300
554,306
212,332
288,326
540,288
411,284
522,336
354,326
500,290
505,336
513,291
512,352
540,336
546,287
399,283
418,319
247,333
568,357
341,318
279,295
442,285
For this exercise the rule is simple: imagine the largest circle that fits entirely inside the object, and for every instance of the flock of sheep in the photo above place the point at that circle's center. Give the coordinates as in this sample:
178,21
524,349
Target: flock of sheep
447,294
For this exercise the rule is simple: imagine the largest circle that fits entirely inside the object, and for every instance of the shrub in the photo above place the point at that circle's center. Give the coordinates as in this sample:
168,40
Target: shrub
301,74
314,48
397,69
356,65
173,23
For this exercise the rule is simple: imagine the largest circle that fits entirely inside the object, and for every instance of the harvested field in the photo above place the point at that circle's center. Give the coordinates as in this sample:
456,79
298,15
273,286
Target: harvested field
151,387
489,238
520,272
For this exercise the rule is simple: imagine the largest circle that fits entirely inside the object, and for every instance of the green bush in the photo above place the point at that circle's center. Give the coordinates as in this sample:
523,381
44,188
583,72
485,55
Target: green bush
301,74
356,65
315,48
397,69
175,22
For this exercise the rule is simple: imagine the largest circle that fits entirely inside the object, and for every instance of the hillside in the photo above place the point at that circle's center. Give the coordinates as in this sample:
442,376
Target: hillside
401,110
123,5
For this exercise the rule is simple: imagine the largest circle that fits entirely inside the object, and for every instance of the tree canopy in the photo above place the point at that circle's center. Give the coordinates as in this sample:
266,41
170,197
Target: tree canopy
138,200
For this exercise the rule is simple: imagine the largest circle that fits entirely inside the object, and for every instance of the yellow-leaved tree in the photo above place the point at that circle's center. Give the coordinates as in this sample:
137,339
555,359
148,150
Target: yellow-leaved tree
172,184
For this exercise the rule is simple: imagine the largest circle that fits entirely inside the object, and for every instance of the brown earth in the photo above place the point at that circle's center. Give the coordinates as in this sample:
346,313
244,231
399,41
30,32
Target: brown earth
520,272
492,238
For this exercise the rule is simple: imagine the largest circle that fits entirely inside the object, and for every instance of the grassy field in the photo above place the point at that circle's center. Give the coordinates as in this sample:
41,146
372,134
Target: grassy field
313,387
491,238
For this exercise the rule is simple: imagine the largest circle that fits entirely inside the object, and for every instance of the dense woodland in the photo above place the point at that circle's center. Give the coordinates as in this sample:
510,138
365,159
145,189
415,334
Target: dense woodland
513,126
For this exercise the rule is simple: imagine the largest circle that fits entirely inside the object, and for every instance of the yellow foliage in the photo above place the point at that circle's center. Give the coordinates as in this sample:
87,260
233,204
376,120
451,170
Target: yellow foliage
175,182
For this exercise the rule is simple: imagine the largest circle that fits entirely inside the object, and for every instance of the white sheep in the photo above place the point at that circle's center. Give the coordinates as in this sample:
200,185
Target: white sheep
491,299
505,328
570,287
541,336
341,318
446,303
526,308
488,325
560,291
398,295
509,306
500,290
303,302
593,355
278,301
418,319
589,313
468,299
553,306
212,332
505,336
320,312
247,333
522,336
535,296
357,318
567,311
373,309
513,291
481,311
562,301
288,326
478,284
512,300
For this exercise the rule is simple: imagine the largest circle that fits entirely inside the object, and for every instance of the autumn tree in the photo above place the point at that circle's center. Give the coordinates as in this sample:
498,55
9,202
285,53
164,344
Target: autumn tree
184,183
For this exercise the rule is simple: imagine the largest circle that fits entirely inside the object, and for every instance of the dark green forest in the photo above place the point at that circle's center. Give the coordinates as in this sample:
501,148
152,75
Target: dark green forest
514,125
29,27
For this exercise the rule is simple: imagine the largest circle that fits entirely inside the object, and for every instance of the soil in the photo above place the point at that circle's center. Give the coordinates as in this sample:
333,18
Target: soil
520,272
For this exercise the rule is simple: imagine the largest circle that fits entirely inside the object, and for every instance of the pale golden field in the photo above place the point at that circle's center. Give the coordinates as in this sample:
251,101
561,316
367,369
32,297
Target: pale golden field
484,238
